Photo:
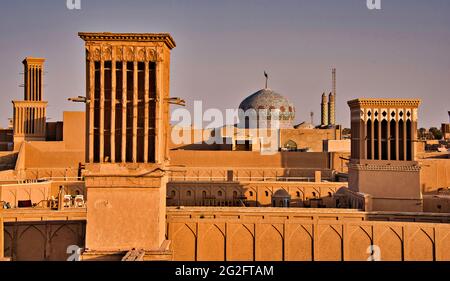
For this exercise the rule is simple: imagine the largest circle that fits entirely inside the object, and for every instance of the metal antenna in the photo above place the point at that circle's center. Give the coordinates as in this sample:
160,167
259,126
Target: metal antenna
334,82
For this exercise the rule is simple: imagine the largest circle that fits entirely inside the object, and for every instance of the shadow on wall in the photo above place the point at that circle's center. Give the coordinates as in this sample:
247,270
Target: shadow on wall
8,160
437,201
42,241
199,140
313,160
349,199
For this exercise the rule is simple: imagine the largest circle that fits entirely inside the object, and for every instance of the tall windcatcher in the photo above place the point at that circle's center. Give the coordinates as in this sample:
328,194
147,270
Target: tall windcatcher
29,115
383,151
127,137
34,74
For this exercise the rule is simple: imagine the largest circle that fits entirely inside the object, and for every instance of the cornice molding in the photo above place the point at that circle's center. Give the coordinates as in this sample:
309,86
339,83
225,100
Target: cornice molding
33,61
136,37
25,103
373,167
384,102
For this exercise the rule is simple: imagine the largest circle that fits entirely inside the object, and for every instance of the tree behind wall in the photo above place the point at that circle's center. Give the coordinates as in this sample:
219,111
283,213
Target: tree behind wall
437,134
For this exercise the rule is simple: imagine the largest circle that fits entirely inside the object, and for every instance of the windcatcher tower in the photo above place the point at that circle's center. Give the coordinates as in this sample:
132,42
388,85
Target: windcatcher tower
127,144
382,164
29,115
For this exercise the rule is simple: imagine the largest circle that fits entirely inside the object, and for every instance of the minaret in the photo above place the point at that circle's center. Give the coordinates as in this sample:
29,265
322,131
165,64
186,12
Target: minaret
324,113
331,109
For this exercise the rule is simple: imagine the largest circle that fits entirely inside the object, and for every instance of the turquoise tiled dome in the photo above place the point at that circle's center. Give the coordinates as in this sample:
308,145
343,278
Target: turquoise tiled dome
268,101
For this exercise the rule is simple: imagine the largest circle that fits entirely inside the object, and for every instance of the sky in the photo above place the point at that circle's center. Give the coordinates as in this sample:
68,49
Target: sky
224,47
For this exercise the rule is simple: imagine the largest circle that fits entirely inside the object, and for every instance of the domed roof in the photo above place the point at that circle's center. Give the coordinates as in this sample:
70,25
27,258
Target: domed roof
267,99
270,106
281,193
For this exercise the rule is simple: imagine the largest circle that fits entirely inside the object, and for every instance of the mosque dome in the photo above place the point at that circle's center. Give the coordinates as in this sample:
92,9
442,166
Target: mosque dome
271,103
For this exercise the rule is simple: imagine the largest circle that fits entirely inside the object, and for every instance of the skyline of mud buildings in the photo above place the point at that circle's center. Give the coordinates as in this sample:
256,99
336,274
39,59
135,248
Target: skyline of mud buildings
116,182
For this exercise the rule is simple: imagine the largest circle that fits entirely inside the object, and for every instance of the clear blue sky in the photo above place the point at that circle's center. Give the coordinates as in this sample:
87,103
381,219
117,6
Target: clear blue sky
223,47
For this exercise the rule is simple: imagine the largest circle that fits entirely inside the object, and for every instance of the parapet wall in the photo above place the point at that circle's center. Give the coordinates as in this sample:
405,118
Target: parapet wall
246,174
237,159
257,193
300,235
51,155
239,234
38,193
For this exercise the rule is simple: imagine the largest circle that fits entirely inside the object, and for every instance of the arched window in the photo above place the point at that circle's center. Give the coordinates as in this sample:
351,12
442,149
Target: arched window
251,193
408,141
219,193
314,194
173,193
267,193
204,194
329,194
393,138
298,193
369,138
401,127
384,139
376,136
189,193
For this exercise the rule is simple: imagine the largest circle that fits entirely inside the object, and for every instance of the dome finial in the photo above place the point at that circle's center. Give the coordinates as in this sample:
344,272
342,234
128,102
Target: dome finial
267,78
